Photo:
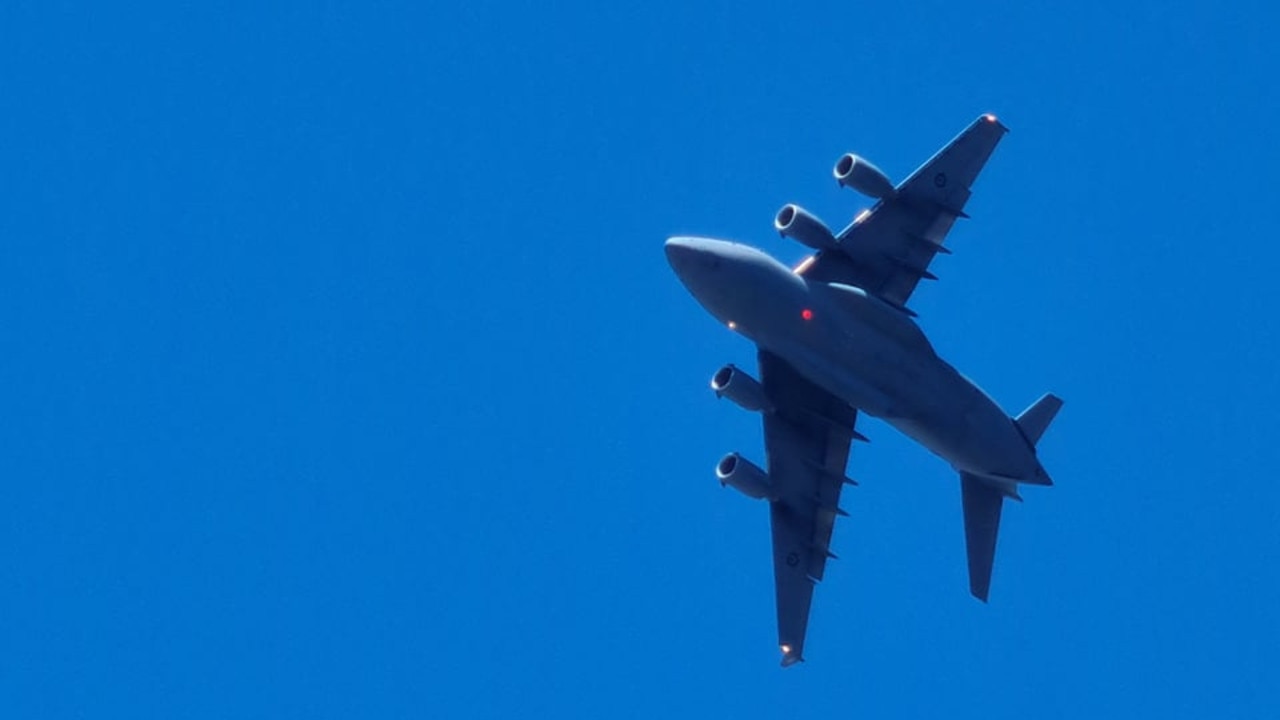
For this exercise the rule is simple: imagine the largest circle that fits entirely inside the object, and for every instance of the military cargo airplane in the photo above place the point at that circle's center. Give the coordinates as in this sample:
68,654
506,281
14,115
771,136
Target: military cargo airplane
835,337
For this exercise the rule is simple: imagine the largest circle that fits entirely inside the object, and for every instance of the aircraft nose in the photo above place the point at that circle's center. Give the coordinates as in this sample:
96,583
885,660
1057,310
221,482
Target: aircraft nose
690,256
679,253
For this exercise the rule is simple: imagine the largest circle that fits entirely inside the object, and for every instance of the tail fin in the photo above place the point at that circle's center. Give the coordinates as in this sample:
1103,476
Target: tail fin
1034,420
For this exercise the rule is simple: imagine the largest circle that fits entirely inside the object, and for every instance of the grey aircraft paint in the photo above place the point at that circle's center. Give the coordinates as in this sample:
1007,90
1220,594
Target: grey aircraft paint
835,337
859,349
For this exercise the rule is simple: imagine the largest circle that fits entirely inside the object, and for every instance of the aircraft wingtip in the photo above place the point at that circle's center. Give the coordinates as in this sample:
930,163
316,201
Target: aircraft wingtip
790,656
990,119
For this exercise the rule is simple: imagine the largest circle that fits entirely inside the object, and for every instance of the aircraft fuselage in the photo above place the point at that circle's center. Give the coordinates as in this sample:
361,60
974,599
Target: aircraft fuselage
870,354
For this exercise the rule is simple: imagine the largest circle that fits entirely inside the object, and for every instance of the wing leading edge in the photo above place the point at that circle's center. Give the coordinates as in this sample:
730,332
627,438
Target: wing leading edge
807,441
887,250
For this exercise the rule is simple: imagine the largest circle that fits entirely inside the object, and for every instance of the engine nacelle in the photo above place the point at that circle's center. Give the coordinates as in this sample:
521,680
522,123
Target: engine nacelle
795,222
745,476
856,173
741,388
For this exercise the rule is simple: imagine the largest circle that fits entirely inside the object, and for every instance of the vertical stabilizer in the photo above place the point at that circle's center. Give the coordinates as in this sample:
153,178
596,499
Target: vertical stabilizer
1033,421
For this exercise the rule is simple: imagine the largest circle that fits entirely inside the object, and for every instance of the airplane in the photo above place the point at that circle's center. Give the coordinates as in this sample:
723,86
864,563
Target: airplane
835,337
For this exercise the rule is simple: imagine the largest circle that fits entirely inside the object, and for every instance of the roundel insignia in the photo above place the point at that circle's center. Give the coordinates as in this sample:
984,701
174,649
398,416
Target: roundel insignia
793,560
940,180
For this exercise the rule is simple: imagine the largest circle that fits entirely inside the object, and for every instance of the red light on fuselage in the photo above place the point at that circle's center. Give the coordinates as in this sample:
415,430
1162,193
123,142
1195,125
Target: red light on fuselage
807,314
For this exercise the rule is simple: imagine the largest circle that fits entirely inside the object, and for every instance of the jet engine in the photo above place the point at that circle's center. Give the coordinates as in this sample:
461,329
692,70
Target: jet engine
745,476
798,224
857,174
741,388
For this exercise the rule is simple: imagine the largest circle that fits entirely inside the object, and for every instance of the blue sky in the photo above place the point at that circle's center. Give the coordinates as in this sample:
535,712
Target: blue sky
344,375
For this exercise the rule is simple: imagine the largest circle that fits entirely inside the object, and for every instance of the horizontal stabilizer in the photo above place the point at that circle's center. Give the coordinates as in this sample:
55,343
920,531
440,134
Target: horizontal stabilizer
1034,420
982,504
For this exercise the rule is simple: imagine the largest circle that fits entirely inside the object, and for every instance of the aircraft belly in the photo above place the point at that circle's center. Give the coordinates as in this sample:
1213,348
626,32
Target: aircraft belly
907,385
966,428
897,371
837,380
939,413
923,397
859,364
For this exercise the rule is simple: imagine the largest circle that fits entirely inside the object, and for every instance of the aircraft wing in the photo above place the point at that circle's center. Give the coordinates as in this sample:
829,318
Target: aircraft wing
887,250
806,440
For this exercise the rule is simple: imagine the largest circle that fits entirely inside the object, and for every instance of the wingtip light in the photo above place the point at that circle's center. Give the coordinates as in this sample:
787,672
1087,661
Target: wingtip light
789,657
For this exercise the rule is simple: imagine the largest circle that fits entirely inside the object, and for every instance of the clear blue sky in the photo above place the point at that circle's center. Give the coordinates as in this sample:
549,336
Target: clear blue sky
343,374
